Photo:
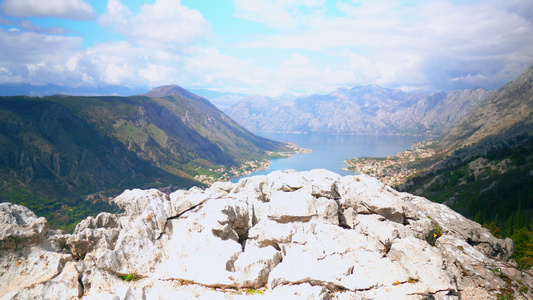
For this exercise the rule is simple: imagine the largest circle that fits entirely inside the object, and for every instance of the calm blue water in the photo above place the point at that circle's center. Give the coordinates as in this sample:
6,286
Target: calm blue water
330,151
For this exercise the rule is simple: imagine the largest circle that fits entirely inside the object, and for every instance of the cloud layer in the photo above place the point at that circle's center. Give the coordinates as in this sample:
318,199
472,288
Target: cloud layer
69,9
164,24
312,45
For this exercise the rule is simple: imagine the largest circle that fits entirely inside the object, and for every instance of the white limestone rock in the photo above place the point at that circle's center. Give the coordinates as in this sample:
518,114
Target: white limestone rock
152,206
300,291
298,206
203,244
94,234
286,235
15,214
253,266
367,195
33,271
20,227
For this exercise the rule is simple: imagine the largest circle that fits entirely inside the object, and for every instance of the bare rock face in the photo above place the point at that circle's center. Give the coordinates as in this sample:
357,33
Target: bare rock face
287,235
29,269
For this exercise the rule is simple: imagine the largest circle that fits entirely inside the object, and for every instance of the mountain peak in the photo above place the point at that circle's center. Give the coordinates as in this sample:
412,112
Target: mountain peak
286,96
175,90
166,90
369,87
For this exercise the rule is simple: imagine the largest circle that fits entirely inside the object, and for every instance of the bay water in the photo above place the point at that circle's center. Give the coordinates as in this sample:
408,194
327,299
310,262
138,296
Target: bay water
331,150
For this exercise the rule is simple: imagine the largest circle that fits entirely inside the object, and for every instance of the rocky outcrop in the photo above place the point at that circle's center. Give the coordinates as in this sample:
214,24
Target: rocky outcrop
287,235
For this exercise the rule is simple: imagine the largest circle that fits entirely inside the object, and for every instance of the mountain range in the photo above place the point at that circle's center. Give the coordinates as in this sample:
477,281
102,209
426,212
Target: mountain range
222,100
66,147
368,110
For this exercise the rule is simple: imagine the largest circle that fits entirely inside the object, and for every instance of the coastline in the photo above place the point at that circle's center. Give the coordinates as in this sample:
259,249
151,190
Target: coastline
393,170
249,167
244,169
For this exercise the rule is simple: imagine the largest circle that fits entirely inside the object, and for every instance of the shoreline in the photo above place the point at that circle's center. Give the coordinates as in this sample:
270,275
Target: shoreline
392,170
426,134
252,166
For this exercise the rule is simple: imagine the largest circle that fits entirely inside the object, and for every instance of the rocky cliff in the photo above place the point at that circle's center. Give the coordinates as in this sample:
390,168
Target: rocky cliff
287,235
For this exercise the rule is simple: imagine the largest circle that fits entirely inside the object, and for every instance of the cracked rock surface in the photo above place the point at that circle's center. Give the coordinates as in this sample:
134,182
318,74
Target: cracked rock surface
286,235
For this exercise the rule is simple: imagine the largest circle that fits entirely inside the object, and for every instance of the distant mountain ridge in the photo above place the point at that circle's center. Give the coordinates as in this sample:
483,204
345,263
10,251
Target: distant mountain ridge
367,109
360,110
222,100
24,89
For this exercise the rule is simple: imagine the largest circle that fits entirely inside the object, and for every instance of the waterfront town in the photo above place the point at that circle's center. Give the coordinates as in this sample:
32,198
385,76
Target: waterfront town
248,167
392,170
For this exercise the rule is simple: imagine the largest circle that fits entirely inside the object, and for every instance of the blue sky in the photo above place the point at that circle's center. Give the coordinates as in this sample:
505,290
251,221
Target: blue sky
266,46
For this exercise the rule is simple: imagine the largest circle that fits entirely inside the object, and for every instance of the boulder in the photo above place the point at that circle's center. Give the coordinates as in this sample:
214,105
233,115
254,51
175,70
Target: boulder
20,227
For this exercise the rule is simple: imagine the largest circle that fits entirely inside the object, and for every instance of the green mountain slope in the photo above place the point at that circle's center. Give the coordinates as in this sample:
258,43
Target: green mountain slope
55,151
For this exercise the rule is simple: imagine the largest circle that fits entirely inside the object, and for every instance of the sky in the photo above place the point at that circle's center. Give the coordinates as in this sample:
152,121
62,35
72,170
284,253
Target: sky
266,47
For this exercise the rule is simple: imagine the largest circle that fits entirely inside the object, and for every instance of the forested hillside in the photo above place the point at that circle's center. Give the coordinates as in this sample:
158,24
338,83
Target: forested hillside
62,156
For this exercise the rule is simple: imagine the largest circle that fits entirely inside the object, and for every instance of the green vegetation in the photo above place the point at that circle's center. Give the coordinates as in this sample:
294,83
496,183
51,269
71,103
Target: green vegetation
493,190
272,155
435,234
254,292
200,167
62,213
129,277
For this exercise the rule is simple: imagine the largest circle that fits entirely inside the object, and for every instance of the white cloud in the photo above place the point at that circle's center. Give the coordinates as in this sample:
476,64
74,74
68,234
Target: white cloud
360,70
157,74
38,58
300,74
296,60
426,44
209,68
431,45
115,63
164,24
72,63
69,9
274,13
